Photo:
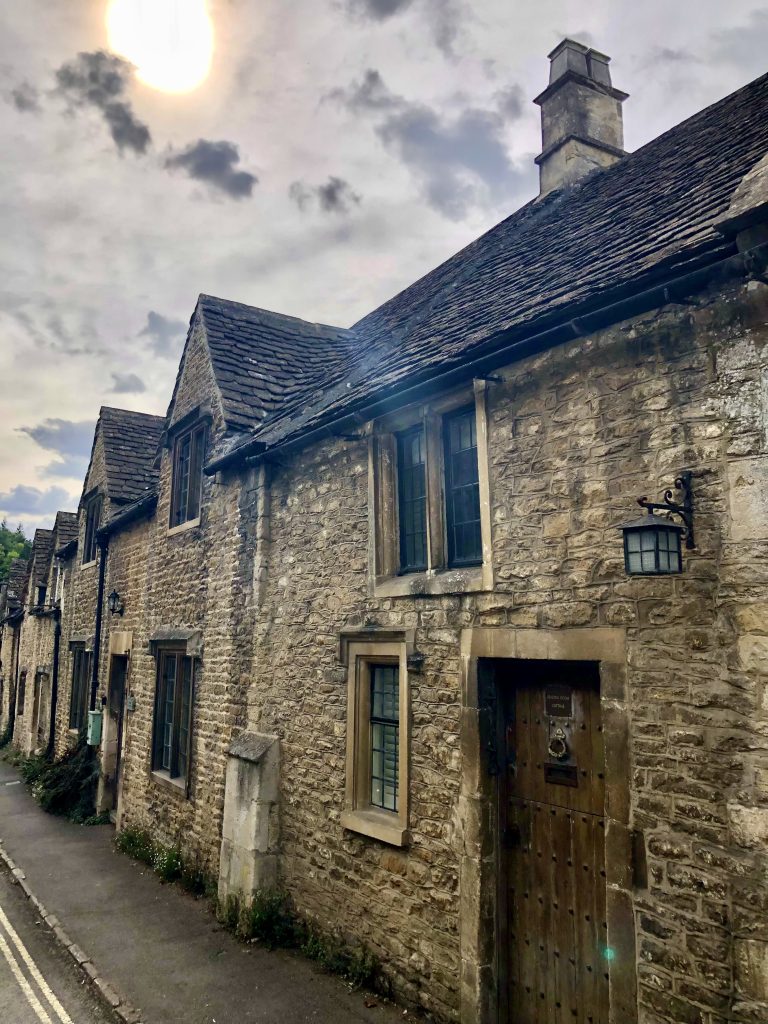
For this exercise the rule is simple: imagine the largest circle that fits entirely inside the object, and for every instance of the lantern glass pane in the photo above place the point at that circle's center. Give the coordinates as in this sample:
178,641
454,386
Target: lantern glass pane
674,561
663,559
633,542
648,540
635,562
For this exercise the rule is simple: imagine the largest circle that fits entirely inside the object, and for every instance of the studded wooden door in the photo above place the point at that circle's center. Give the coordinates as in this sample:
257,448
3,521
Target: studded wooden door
554,842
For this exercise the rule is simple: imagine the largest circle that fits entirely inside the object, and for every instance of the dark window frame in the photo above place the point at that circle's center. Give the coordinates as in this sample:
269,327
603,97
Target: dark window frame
22,694
412,541
461,532
173,714
82,662
188,456
93,508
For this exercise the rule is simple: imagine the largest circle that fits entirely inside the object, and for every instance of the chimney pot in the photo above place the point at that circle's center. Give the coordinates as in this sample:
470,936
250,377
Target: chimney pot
581,117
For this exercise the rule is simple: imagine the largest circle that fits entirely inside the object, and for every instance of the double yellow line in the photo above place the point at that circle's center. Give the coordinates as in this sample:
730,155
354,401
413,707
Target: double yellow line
17,957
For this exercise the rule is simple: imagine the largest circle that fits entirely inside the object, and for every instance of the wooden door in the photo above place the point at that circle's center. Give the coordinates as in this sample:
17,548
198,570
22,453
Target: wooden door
553,841
113,750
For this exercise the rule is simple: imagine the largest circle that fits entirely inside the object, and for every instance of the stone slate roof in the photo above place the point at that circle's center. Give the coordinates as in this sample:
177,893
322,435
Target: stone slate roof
42,550
263,359
648,218
17,580
130,442
65,528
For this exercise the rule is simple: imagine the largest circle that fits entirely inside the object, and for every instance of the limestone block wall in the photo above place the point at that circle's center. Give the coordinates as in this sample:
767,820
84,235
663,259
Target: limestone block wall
576,435
79,606
196,579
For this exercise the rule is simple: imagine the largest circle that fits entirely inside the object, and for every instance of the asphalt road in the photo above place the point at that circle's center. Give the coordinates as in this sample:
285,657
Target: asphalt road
39,982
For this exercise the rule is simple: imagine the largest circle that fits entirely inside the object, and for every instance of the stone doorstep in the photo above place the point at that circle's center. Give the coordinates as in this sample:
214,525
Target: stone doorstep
108,995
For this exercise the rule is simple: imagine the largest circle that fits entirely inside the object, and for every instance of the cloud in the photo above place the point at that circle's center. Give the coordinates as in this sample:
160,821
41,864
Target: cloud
71,442
100,80
65,437
461,160
165,336
214,163
25,98
127,384
335,196
32,501
443,16
378,9
744,45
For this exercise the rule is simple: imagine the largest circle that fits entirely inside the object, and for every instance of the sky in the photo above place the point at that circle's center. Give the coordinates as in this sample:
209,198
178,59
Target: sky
337,151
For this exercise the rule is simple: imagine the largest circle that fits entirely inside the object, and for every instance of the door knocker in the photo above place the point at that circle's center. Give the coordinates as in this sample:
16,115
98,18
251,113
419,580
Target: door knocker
558,748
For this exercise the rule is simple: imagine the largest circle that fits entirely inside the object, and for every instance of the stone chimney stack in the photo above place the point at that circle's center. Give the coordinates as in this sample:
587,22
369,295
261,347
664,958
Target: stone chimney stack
581,120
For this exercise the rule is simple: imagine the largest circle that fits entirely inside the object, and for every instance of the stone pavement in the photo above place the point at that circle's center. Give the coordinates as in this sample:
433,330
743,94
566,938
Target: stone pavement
154,946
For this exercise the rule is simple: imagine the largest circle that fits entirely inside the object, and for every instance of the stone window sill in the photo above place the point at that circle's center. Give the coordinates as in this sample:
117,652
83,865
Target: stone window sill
164,779
183,527
377,825
88,565
444,581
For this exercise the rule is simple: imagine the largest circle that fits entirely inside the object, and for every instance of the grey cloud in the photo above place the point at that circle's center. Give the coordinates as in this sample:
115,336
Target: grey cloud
165,335
65,437
32,501
378,9
745,45
370,94
334,196
461,160
214,163
127,384
25,98
100,80
443,16
511,102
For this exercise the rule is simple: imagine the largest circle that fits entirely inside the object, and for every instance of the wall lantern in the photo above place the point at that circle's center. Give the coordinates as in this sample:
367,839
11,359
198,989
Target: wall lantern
653,543
114,604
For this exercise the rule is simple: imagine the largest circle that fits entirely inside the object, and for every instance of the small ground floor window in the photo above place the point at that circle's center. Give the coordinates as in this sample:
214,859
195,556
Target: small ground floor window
173,715
81,675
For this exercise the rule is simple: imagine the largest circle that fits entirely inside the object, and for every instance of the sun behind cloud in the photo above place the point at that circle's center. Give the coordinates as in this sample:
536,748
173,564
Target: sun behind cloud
170,42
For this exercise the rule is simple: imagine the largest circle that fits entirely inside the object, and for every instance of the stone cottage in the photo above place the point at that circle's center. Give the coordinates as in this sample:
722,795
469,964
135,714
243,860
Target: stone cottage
40,638
11,617
378,622
120,471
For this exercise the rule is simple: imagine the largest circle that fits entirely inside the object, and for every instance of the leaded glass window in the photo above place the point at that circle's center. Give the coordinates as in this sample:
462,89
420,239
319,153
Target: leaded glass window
173,715
92,520
462,490
188,453
81,679
412,499
385,736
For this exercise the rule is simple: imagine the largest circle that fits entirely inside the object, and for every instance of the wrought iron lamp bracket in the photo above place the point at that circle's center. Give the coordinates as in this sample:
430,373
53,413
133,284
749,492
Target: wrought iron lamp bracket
672,508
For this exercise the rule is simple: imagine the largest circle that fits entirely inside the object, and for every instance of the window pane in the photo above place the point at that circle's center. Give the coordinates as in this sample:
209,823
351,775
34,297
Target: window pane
184,715
166,711
633,542
462,490
412,500
385,736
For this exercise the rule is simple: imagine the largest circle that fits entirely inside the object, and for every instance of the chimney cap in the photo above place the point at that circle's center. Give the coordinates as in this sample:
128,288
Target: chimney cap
571,60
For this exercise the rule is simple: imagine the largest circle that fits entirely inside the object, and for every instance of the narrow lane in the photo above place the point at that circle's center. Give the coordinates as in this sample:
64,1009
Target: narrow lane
39,983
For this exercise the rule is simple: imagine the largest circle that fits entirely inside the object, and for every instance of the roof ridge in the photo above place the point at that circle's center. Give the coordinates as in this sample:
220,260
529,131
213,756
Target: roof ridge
204,297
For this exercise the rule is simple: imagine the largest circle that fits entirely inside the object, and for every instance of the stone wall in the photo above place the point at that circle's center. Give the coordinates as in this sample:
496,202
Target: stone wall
79,604
577,434
197,578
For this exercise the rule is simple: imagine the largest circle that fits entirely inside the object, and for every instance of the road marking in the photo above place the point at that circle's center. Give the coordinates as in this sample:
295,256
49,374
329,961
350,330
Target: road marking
24,985
17,783
50,996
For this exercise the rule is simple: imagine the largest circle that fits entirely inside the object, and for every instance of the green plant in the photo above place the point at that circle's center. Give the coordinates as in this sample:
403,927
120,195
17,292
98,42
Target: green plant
7,735
167,862
137,843
359,966
228,912
195,880
66,786
268,919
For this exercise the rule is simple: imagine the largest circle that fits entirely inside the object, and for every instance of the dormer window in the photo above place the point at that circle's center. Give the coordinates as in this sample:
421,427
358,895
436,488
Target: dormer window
188,452
92,521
